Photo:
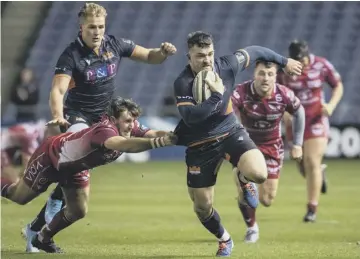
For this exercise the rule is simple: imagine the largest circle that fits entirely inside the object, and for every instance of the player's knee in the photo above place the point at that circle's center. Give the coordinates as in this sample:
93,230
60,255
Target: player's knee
76,213
81,212
203,210
311,163
253,166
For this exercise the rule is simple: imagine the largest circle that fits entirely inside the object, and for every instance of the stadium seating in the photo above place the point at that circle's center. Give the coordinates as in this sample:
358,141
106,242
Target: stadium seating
331,28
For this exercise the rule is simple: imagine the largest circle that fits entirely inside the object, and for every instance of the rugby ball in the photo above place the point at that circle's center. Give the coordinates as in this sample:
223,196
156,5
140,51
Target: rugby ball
200,89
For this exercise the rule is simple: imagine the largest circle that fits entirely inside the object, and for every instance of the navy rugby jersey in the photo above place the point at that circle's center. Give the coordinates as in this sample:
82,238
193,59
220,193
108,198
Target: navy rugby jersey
218,117
93,76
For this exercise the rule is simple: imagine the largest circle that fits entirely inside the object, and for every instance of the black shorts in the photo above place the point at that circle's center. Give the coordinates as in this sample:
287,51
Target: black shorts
74,117
203,161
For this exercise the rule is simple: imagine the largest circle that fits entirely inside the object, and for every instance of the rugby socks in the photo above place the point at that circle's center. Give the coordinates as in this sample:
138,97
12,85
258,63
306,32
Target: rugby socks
248,214
212,223
39,221
57,194
312,207
58,223
5,184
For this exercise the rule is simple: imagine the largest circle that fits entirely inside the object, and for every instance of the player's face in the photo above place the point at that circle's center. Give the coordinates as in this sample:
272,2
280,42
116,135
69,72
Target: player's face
201,58
125,124
264,79
92,31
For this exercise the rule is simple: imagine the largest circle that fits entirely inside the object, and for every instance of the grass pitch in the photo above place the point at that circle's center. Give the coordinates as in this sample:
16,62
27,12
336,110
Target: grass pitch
143,211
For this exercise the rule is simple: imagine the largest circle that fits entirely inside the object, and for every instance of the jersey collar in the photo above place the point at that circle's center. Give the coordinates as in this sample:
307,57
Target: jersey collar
82,44
254,93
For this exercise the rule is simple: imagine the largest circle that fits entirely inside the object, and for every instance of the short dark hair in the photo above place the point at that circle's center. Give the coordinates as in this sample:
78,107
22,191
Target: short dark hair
199,38
298,49
118,105
267,64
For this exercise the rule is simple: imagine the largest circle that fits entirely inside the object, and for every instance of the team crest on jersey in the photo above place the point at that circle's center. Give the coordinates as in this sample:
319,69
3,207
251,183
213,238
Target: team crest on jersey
278,98
108,55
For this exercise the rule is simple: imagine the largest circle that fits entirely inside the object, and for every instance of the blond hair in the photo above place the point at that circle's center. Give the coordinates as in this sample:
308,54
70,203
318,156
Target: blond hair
91,10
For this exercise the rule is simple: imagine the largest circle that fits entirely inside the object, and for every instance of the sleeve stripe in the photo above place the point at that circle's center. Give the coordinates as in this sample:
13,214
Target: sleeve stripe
184,103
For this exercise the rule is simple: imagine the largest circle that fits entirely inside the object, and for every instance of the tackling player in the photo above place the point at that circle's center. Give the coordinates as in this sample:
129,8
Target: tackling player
308,87
86,70
211,133
260,105
66,159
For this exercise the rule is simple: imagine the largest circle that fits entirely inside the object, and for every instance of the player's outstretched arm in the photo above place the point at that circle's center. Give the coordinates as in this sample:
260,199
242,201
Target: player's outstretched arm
136,145
251,54
156,133
153,56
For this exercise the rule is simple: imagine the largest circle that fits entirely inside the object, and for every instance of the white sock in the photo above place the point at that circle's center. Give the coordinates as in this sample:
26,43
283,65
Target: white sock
225,236
254,228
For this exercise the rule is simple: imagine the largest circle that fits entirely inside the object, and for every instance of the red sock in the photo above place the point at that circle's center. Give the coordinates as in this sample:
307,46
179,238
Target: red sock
248,214
5,184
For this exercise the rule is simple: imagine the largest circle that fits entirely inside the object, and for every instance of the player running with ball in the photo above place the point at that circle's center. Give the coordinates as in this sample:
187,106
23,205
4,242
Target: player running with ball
211,133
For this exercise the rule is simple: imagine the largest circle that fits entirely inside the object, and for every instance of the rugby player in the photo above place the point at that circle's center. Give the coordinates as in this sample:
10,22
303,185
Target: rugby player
260,105
66,159
308,87
86,70
211,133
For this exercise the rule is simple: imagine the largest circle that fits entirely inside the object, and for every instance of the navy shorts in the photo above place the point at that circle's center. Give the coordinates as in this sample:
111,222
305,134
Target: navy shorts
203,161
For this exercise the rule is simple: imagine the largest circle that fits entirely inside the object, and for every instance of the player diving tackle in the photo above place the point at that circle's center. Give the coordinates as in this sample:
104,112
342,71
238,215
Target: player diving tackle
59,159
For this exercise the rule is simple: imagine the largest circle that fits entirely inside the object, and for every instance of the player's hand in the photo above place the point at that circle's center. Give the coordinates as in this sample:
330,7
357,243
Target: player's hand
170,139
296,153
58,122
167,49
293,67
217,85
327,109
